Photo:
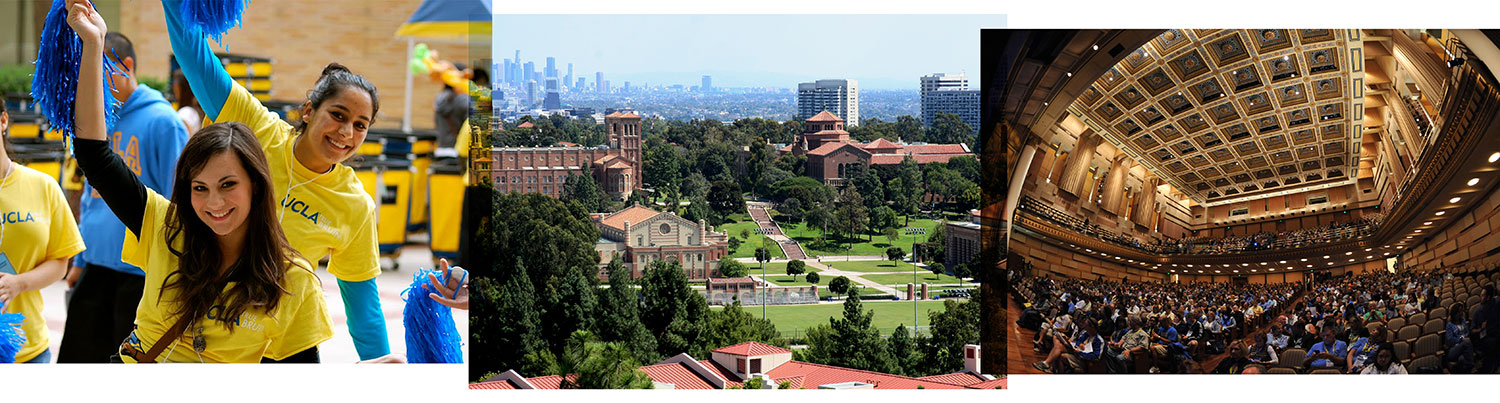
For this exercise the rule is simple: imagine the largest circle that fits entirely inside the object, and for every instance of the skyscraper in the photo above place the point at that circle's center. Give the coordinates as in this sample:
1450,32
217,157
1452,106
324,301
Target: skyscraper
949,93
568,81
530,93
837,96
626,89
505,76
551,71
579,86
599,84
553,101
708,84
529,72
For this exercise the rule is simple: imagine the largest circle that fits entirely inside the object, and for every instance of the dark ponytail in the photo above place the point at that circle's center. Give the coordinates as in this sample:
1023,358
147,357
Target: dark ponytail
335,78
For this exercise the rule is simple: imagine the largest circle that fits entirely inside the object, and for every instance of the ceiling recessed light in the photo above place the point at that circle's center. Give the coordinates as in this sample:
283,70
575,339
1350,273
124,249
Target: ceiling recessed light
1367,249
1304,259
1419,231
1494,157
1348,253
1070,74
1442,212
1096,47
1454,200
1473,181
1325,256
1427,223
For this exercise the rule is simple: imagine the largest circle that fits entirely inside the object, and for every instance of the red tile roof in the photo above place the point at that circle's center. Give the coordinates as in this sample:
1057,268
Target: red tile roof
525,125
731,280
634,214
729,376
824,116
829,148
818,374
957,378
920,159
493,385
992,384
752,349
677,374
550,381
881,144
936,149
623,115
567,144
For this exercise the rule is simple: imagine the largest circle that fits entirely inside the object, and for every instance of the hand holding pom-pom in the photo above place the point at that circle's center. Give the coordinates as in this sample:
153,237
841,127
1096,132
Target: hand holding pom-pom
87,22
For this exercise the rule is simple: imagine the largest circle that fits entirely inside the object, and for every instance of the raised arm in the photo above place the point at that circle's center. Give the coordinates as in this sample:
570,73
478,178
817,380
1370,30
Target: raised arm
205,74
119,187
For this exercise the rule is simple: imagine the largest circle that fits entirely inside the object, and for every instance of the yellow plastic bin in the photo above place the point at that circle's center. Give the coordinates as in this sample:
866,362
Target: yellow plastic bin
364,170
423,144
24,125
49,162
447,207
394,190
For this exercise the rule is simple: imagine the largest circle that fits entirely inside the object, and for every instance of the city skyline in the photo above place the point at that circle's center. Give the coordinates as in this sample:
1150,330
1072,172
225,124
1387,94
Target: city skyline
692,46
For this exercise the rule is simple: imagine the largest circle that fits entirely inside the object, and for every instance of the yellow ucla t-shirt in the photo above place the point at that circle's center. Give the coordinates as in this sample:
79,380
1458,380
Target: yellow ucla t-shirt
328,215
299,322
36,225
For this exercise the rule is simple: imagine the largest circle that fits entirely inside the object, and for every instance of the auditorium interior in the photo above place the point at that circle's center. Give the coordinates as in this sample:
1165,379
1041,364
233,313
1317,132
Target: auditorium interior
1243,183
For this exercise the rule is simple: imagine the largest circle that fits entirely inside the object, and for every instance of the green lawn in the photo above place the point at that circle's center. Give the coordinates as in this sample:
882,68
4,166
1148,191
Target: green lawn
786,280
888,314
922,277
747,247
873,266
864,245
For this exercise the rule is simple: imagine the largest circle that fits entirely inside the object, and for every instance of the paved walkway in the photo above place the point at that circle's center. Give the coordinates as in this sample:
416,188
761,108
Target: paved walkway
770,229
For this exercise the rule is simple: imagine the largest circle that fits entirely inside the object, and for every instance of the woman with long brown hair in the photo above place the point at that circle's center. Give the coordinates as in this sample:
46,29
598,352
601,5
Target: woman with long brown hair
222,282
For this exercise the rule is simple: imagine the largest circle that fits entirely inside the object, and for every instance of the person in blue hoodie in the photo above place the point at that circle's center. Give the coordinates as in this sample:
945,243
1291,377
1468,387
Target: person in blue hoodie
149,136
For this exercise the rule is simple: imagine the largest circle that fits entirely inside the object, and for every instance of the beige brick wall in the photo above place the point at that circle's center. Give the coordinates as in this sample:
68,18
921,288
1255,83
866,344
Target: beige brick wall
303,36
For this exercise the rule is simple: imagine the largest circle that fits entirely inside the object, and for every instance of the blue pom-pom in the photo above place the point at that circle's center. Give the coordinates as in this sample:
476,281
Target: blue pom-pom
11,336
54,84
213,17
431,336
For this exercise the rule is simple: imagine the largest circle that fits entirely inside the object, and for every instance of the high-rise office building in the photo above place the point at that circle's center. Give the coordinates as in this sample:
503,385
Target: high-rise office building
949,93
529,72
599,84
837,96
579,86
605,87
568,81
553,101
626,89
551,71
505,76
708,84
530,93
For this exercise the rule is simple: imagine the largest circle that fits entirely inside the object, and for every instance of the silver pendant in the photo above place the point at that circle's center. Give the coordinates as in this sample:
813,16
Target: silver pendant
198,343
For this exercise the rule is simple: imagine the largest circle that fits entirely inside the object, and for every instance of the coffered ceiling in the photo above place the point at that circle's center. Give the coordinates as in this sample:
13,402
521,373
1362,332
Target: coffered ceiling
1223,114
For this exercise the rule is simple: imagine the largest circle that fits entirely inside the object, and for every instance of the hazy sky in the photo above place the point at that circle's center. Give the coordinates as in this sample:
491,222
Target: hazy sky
881,51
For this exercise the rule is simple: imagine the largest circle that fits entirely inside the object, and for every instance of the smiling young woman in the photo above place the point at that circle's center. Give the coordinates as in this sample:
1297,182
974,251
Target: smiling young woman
222,282
322,205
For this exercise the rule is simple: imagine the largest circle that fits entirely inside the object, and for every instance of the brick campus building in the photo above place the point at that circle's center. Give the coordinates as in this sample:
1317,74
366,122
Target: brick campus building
616,166
641,235
832,157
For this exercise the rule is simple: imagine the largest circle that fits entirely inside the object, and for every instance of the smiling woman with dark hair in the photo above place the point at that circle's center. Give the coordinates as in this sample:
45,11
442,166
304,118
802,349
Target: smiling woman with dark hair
322,205
222,282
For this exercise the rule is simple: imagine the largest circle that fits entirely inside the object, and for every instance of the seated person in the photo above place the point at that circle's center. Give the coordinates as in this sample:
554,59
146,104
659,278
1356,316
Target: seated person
1277,337
1329,353
1385,362
1084,345
1362,352
1235,362
1261,351
1132,342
